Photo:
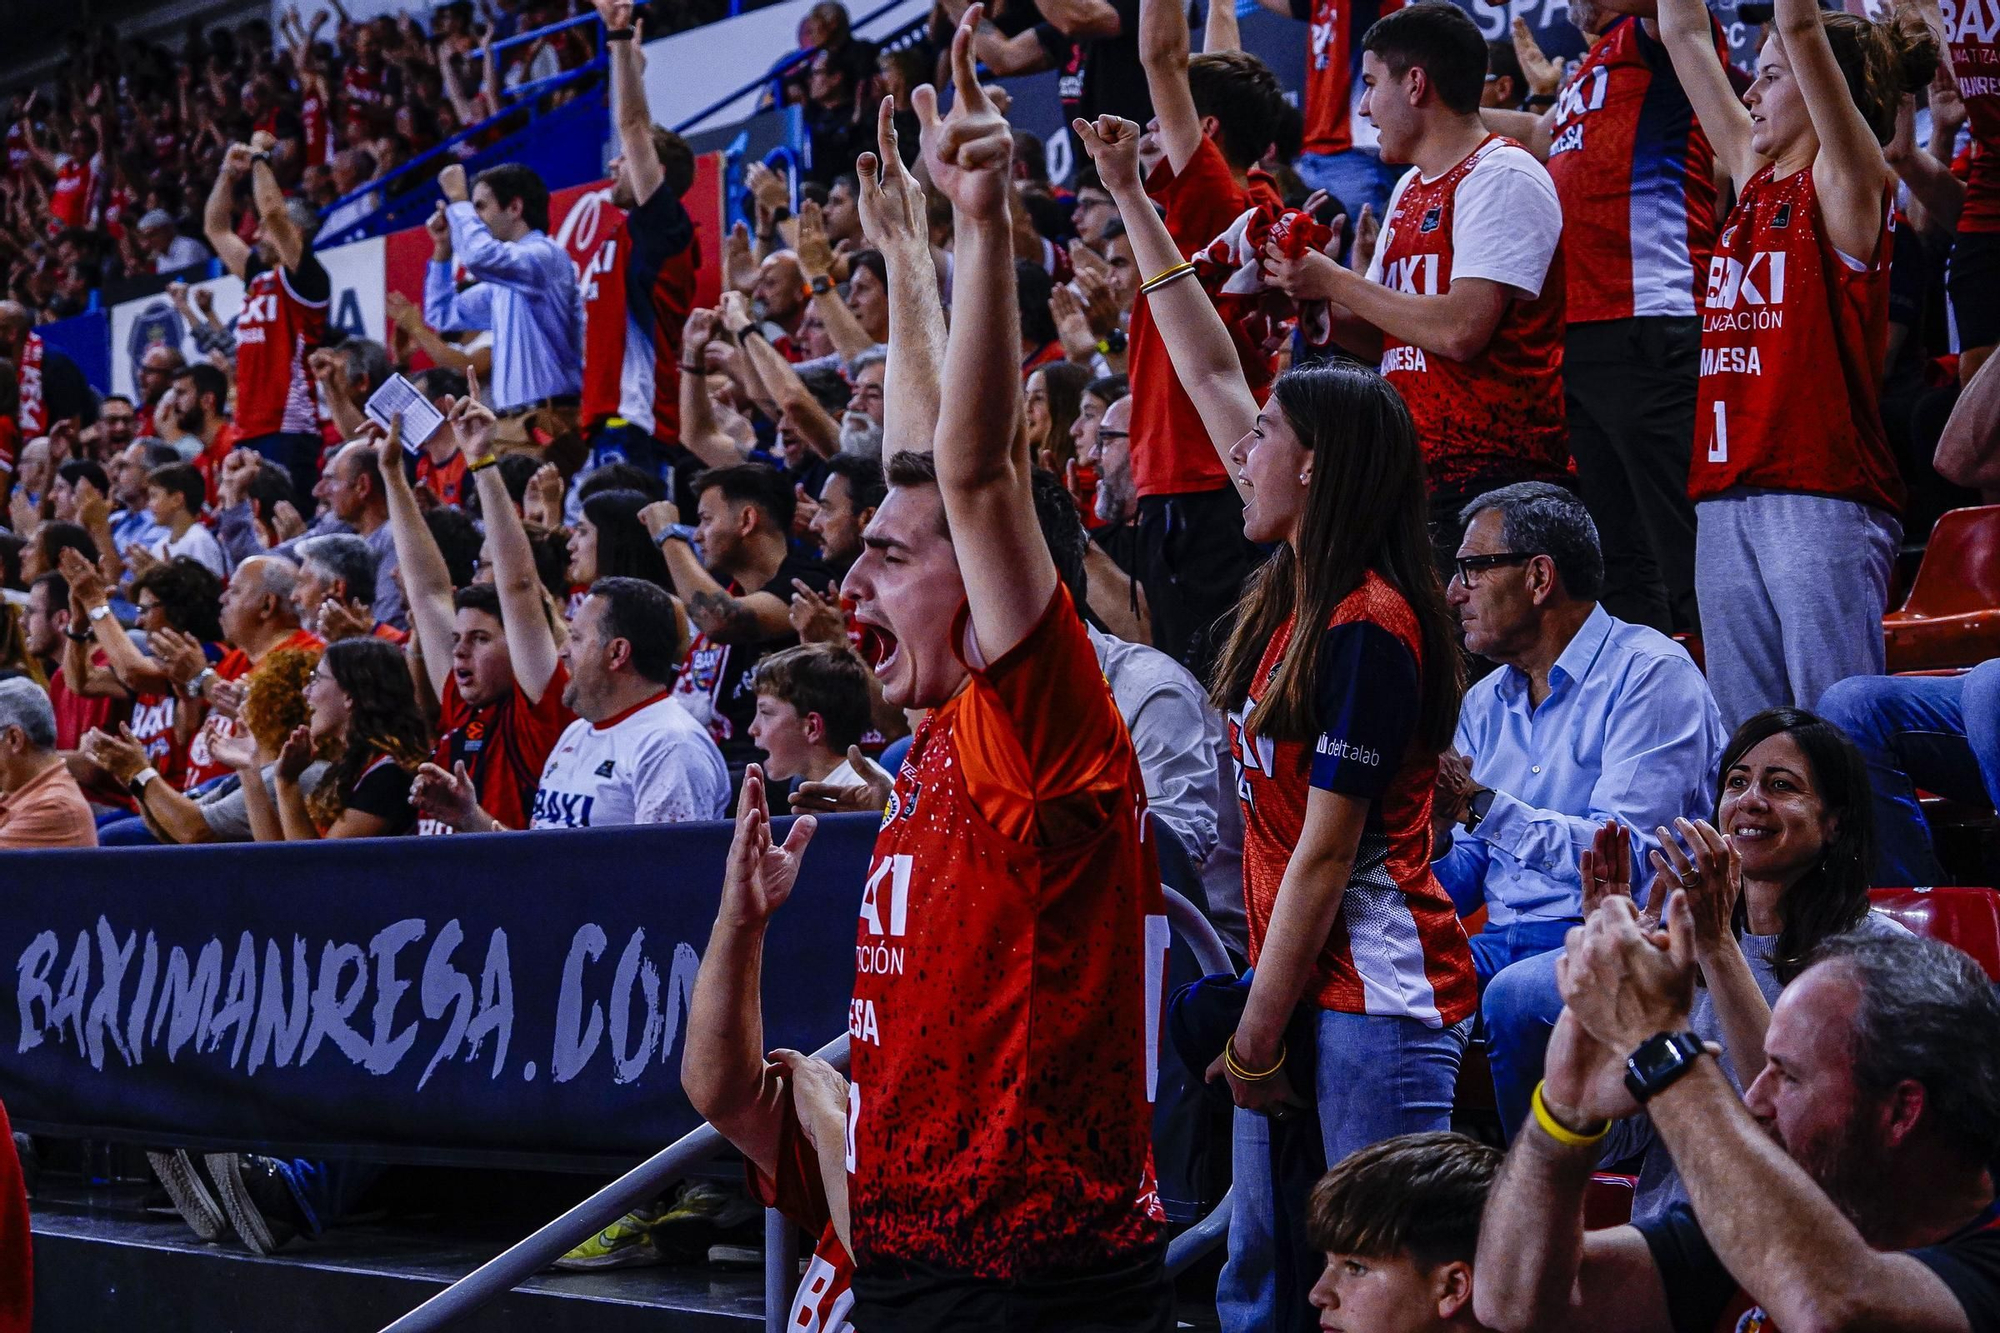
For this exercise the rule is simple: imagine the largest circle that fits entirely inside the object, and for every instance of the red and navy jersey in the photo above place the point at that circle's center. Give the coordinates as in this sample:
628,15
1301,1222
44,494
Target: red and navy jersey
824,1295
73,201
1333,66
1396,947
637,292
1972,31
1007,989
1793,336
371,97
276,332
502,745
1636,177
318,127
1498,416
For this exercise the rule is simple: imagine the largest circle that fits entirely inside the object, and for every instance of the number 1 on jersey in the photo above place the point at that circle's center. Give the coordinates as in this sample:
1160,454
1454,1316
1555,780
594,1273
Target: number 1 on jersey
1718,444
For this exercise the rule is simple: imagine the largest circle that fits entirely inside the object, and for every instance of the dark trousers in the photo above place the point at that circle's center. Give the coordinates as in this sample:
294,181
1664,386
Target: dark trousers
1192,561
298,453
1134,1297
1630,384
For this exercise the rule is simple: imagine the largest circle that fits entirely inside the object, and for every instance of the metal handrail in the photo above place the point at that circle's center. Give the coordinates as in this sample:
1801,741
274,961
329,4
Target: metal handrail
650,1179
779,70
525,1258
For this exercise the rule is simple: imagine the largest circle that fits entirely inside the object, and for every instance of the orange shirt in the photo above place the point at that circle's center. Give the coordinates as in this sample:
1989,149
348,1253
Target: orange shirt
47,811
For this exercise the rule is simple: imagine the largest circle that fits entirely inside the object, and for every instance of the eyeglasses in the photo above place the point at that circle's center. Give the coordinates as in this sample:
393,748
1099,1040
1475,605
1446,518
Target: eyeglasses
1103,434
1469,566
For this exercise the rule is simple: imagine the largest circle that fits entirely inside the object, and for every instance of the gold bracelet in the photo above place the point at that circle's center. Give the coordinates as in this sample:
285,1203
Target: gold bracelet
1246,1075
481,464
1178,271
1560,1132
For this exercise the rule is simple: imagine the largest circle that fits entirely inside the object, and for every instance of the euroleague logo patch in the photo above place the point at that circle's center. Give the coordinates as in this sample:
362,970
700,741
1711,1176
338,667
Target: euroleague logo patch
1432,216
1754,1320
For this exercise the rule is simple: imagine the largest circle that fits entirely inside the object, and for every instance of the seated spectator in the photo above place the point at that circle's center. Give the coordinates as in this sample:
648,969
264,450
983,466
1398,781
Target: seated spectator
488,651
72,479
336,588
610,541
1589,718
1783,867
738,592
162,243
352,488
1851,1189
366,724
1399,1222
1938,733
132,520
175,495
274,705
1506,85
196,418
40,804
1052,399
813,702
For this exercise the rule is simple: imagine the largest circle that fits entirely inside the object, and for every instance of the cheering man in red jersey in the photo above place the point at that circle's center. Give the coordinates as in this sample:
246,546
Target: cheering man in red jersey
996,1182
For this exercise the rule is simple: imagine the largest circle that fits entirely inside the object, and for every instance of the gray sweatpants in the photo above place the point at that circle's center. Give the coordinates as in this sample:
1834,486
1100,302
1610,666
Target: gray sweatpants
1792,590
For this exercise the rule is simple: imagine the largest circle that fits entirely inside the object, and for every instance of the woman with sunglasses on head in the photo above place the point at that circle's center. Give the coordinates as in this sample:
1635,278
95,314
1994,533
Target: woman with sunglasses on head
1795,485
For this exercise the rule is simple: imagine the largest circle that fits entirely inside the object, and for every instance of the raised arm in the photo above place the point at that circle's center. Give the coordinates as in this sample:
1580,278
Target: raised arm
269,198
127,671
816,260
795,401
723,1070
1849,171
216,222
426,579
1198,343
628,96
700,431
1690,43
530,641
1163,51
723,616
1222,32
982,455
893,220
485,256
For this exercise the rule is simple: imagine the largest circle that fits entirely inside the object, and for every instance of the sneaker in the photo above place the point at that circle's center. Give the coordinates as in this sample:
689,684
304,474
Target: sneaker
257,1199
703,1214
626,1243
194,1198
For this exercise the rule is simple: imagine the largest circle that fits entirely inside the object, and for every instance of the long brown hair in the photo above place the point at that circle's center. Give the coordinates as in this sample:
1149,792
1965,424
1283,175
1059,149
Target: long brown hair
382,718
1366,508
1882,62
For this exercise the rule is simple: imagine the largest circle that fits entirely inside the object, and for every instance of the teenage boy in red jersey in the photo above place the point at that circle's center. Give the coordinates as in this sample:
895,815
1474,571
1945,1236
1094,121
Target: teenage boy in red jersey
286,292
993,1182
639,285
1463,303
1636,177
1214,116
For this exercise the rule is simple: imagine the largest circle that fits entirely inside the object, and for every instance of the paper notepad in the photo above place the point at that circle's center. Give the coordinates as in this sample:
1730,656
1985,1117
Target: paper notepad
420,418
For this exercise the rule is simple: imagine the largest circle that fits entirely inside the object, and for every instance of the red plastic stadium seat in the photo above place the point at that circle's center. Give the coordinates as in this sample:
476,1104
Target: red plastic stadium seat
1608,1201
1952,615
1967,919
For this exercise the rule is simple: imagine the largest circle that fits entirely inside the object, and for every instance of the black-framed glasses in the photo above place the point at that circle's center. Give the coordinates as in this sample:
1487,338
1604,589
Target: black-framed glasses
1469,566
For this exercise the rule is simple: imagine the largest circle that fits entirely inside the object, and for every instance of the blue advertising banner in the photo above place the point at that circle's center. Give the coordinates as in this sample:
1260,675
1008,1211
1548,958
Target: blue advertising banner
494,999
86,340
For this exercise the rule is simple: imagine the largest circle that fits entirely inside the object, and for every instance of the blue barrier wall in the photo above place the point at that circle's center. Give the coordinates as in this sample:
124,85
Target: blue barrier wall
86,340
500,999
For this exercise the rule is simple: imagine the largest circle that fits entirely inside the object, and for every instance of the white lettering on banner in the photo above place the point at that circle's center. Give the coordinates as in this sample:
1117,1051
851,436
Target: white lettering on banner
186,1004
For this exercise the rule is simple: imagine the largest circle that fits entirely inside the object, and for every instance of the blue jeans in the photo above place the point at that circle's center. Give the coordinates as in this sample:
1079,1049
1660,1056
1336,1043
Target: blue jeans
1378,1077
1520,1009
122,830
1497,947
1355,177
1941,733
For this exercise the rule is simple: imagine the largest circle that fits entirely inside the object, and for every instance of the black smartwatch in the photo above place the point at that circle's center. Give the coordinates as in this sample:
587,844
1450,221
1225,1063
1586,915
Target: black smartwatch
1476,807
1659,1063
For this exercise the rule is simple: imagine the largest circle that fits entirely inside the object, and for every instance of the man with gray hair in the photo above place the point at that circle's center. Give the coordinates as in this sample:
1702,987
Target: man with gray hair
1587,719
335,594
40,804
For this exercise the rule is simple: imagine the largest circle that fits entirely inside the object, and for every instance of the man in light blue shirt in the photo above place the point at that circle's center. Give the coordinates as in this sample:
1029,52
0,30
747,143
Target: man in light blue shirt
524,289
1588,719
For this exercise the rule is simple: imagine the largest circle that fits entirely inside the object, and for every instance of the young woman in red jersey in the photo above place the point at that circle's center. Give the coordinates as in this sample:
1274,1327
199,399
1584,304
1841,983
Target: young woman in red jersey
1796,489
1341,680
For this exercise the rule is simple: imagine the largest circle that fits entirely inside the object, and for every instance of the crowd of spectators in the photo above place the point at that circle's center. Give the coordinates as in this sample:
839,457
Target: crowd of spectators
1199,485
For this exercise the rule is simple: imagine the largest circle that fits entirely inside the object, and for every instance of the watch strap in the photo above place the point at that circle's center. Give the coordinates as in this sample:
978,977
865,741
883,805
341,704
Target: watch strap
1660,1062
98,612
1476,807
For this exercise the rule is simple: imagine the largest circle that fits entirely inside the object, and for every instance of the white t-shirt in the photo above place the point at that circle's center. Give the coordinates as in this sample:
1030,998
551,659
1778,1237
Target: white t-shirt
1505,223
199,544
650,765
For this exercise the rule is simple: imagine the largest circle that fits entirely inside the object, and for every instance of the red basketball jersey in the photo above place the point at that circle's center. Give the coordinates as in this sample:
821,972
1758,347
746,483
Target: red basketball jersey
1972,29
1635,175
1500,415
1333,66
637,292
318,127
1792,340
275,333
153,717
1396,947
70,202
1007,982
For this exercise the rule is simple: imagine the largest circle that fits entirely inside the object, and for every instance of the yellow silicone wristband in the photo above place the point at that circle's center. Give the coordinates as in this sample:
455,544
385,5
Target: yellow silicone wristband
1560,1132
